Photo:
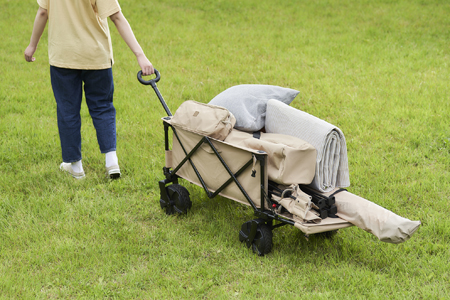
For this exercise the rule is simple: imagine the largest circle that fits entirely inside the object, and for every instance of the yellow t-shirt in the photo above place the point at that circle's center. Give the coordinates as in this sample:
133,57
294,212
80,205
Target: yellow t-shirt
78,33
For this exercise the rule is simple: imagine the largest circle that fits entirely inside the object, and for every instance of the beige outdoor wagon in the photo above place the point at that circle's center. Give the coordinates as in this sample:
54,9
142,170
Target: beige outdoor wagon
252,170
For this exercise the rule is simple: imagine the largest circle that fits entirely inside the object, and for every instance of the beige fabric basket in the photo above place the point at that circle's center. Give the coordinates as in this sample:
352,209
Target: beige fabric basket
214,174
210,167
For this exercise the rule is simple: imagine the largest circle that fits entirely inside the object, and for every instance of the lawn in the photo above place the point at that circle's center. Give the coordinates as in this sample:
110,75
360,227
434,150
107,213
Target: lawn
378,70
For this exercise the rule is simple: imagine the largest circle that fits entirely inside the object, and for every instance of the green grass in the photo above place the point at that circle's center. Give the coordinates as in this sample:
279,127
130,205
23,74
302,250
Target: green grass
377,69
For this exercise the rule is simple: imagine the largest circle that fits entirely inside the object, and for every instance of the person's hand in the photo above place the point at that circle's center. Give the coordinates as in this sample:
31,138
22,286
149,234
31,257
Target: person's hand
146,65
29,52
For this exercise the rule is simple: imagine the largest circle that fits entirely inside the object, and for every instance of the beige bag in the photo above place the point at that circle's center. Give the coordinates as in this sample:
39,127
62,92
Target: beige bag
205,119
384,224
291,160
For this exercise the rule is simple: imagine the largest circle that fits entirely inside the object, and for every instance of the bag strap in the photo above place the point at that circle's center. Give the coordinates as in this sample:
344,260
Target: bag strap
338,191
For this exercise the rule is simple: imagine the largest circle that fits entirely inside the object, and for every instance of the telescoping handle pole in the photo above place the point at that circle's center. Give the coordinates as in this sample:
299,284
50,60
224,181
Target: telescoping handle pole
153,82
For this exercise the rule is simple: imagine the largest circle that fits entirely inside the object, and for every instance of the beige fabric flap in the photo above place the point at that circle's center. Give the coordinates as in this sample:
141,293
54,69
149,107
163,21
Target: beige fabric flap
205,119
385,225
291,160
327,224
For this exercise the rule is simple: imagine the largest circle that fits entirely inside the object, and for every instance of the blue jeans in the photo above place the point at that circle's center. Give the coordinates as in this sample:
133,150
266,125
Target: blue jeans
67,87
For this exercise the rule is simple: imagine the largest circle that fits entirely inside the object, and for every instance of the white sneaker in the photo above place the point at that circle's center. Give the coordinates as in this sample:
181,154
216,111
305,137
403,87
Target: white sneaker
67,167
113,171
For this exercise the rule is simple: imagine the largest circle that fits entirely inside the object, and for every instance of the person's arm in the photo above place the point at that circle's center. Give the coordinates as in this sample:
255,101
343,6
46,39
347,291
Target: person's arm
38,28
127,34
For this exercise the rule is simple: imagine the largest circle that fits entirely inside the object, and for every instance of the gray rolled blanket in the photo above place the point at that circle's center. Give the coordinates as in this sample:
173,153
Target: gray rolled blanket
329,141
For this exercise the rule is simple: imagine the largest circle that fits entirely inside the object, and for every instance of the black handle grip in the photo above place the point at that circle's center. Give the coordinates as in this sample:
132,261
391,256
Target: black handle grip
153,82
148,82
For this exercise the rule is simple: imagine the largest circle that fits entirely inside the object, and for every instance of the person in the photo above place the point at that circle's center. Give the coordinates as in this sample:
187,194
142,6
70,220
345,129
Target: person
80,52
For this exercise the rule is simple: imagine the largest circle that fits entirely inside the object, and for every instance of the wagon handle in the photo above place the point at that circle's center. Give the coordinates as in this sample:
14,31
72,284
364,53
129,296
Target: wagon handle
153,82
148,82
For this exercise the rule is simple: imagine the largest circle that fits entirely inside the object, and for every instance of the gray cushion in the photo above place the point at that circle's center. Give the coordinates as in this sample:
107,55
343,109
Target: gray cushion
248,102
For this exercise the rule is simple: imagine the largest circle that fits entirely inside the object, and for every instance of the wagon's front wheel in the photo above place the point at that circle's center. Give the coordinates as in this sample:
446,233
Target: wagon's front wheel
178,200
261,242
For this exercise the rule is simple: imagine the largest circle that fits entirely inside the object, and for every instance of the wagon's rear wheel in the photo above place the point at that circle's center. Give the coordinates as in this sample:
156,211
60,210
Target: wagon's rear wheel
179,200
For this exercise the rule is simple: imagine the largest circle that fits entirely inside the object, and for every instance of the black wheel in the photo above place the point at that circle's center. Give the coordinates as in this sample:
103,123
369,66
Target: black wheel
179,200
262,242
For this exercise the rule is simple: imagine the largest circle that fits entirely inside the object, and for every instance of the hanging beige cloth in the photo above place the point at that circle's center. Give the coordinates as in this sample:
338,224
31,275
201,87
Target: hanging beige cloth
384,224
